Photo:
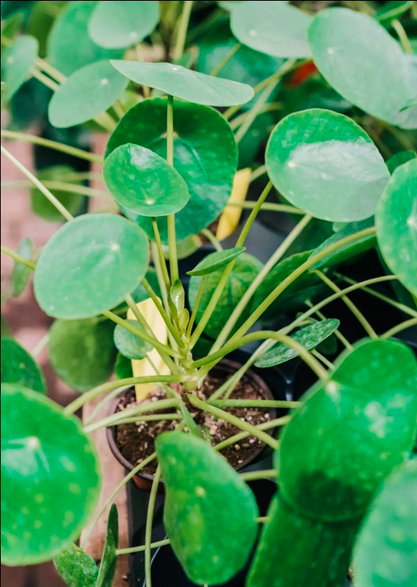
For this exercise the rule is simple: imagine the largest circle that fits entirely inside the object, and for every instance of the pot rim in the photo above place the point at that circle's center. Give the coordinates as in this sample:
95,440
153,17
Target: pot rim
229,365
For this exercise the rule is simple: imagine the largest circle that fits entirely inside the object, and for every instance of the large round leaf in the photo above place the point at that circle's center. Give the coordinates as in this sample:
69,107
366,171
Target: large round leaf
18,366
245,270
396,224
82,351
50,477
325,164
386,551
122,24
69,44
142,181
17,61
205,155
359,58
42,206
209,512
90,265
88,92
275,28
183,83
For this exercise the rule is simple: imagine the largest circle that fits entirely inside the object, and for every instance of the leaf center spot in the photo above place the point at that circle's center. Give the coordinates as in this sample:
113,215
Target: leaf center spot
200,491
104,81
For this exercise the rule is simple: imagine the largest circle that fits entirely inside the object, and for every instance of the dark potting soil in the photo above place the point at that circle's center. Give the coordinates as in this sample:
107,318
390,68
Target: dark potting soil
136,441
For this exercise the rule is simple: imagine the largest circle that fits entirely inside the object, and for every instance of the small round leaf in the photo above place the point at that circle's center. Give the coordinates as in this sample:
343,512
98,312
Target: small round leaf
17,61
142,181
50,475
21,273
325,164
130,345
216,261
18,366
76,567
90,265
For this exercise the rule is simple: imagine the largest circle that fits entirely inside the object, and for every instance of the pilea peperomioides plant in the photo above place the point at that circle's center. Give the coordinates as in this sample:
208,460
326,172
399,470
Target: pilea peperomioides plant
124,306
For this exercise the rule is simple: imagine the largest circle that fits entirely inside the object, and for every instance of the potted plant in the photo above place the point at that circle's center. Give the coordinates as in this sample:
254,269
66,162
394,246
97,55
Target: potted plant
112,282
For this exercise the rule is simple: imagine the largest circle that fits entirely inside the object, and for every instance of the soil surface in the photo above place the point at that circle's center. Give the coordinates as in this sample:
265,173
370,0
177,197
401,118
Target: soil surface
136,441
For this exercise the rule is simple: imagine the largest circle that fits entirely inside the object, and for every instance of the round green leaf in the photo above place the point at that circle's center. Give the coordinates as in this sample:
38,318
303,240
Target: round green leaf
123,367
205,155
209,511
18,366
362,62
216,261
325,164
142,181
400,158
82,351
122,24
275,28
183,83
21,274
109,557
90,265
69,44
130,345
386,550
350,432
76,567
245,270
42,206
309,337
396,224
50,476
17,61
88,92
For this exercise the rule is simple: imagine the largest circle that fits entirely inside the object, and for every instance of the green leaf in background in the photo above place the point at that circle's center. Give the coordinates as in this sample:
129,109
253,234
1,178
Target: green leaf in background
243,273
325,164
205,155
50,475
18,366
12,25
396,224
216,261
386,550
17,61
109,558
359,58
76,567
309,337
392,10
69,44
20,273
42,207
130,345
90,265
123,367
122,24
209,511
400,158
275,28
41,19
88,92
142,181
82,352
183,83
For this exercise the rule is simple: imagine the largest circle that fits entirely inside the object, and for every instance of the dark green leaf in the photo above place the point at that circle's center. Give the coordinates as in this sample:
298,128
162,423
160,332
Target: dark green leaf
209,512
50,475
392,10
216,261
123,367
325,164
42,206
309,337
130,345
400,158
21,273
17,61
85,94
109,558
12,25
18,366
183,83
76,567
143,182
396,224
275,28
90,265
205,155
82,351
122,24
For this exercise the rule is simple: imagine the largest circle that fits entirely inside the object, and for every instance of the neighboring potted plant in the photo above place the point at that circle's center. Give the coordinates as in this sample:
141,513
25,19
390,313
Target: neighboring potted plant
122,306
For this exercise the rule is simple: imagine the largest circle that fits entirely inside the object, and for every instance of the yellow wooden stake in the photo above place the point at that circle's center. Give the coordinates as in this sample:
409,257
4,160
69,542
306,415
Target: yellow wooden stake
152,364
230,216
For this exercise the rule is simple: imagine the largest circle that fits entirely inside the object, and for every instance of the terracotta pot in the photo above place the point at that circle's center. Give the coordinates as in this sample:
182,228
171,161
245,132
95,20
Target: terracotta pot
226,367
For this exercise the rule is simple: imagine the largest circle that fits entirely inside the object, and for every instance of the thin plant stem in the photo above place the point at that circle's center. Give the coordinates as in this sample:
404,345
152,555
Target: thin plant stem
268,107
323,359
211,237
337,332
100,405
147,418
52,199
18,258
399,327
244,434
160,276
148,526
44,79
141,548
62,186
253,403
80,153
255,475
269,206
162,311
229,55
198,298
261,170
254,213
182,30
402,35
172,240
352,307
160,256
50,70
40,345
